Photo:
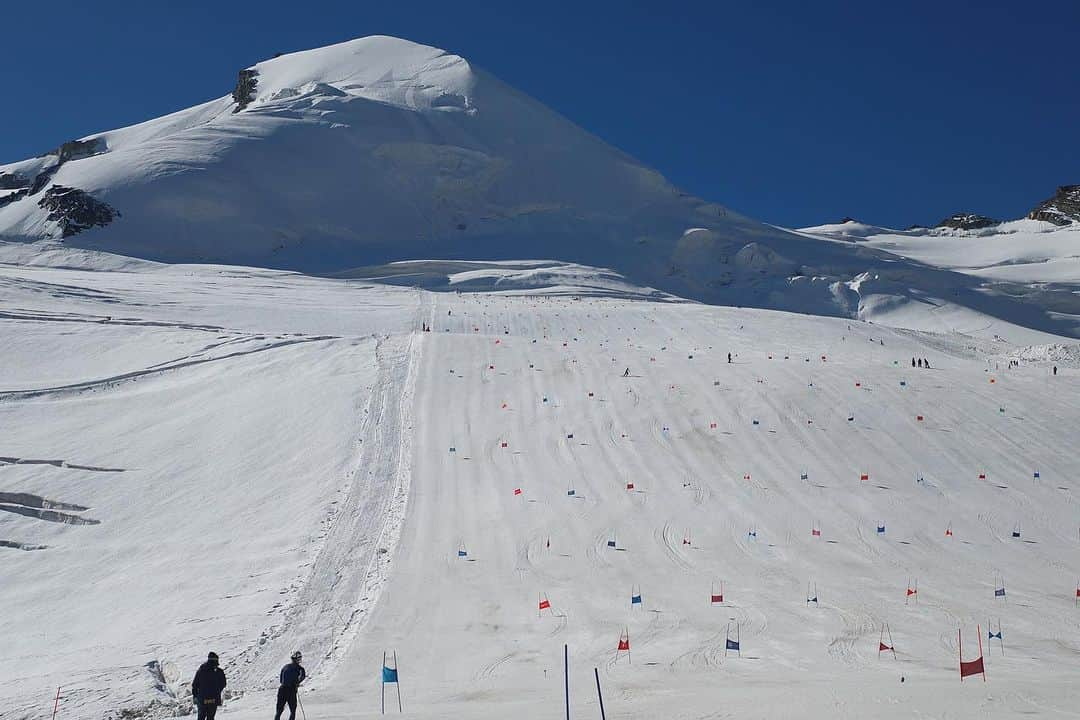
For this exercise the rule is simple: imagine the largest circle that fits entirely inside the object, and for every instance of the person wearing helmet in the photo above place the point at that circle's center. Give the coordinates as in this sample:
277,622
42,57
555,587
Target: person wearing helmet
207,686
291,676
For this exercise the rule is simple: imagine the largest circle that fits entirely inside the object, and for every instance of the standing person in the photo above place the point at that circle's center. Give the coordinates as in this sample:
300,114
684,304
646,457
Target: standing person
920,362
926,364
729,358
1055,371
291,676
912,362
206,687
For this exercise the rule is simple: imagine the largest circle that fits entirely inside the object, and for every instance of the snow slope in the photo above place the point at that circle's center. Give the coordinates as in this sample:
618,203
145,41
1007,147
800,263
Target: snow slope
269,459
1021,251
379,150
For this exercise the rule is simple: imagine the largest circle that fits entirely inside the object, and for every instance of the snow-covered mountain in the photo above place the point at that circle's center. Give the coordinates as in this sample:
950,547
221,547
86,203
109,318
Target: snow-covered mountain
379,150
369,151
254,460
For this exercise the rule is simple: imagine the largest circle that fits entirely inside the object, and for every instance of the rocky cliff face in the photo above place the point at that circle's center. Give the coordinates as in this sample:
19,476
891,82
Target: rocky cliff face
1062,209
75,210
244,92
968,221
78,149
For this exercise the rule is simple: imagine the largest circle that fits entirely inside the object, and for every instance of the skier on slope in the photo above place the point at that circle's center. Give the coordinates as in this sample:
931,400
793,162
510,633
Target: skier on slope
206,687
626,373
291,676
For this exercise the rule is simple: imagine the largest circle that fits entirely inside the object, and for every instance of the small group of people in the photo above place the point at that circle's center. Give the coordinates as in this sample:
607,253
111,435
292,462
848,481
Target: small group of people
209,683
920,362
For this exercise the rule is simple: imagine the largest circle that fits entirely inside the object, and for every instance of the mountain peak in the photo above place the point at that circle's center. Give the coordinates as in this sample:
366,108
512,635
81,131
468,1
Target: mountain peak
380,68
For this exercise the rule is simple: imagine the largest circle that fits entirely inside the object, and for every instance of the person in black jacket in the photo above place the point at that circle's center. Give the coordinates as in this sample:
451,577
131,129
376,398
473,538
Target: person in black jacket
291,676
207,686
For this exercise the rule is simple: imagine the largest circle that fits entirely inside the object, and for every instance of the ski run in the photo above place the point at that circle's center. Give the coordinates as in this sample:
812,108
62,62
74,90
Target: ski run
253,462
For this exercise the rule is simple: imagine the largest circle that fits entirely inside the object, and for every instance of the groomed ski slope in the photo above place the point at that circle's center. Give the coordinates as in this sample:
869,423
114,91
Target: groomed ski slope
305,492
467,632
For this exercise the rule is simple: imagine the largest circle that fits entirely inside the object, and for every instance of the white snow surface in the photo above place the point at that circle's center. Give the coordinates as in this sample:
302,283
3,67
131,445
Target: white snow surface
268,459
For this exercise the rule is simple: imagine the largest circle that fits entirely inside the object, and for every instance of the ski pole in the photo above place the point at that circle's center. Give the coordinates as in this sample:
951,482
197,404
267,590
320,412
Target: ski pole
302,713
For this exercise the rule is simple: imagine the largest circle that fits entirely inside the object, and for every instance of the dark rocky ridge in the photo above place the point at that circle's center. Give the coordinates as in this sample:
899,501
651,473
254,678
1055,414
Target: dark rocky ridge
968,221
1062,209
75,210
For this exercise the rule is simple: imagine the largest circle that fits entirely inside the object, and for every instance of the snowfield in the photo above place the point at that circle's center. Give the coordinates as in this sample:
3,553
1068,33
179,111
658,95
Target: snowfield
255,461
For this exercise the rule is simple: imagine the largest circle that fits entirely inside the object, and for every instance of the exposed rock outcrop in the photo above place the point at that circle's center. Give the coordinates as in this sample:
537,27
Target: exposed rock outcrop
13,181
1062,209
16,182
26,186
78,149
12,197
968,221
244,92
75,210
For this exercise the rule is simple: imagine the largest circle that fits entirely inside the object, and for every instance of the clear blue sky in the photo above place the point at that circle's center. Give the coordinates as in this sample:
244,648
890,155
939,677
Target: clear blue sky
793,112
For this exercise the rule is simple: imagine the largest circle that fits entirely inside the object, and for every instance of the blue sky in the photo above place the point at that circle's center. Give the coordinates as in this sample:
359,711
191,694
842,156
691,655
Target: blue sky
793,112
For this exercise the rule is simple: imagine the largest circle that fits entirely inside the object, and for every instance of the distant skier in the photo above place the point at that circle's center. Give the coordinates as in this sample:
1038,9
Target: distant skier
926,364
626,373
206,687
912,362
729,358
1055,371
920,362
291,676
